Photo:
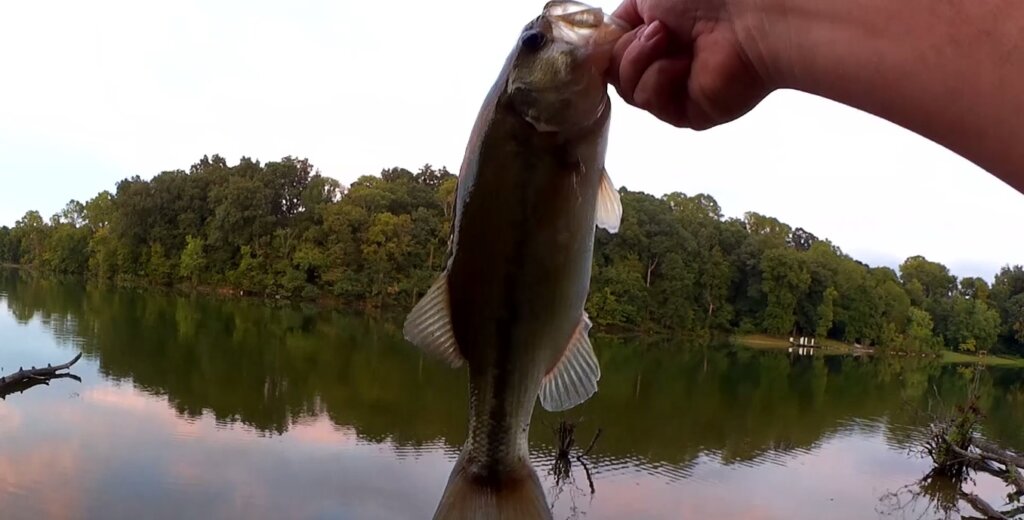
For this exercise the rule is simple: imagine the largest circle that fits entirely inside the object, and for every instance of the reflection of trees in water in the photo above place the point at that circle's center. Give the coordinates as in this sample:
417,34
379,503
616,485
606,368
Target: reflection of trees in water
266,368
272,367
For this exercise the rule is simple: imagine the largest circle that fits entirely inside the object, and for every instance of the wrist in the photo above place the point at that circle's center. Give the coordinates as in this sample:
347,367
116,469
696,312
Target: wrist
949,71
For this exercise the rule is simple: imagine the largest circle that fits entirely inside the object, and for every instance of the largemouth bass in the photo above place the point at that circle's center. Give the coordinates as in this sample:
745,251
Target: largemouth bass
510,303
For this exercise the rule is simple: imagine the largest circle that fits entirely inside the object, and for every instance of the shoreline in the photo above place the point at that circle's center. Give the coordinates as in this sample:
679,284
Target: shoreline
754,341
830,347
220,292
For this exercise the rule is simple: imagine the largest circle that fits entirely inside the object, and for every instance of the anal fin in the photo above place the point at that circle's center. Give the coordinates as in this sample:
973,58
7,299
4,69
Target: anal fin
574,378
429,325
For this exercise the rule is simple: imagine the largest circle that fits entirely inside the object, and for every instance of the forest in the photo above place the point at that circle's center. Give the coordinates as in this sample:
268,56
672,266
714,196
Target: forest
677,265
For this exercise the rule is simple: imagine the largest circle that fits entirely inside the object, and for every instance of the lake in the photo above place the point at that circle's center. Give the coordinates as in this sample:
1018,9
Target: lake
196,407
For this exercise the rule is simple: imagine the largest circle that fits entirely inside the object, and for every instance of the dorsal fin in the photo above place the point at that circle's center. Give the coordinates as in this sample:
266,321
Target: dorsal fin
609,207
429,325
574,378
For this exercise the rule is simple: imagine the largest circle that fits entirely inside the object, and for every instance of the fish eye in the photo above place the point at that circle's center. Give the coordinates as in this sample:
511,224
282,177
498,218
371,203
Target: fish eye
533,40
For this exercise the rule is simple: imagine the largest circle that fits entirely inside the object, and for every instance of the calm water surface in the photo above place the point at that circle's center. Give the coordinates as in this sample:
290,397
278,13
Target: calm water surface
200,408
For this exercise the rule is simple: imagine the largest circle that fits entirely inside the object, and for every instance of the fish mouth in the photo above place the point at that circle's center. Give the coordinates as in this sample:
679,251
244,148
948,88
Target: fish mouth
580,16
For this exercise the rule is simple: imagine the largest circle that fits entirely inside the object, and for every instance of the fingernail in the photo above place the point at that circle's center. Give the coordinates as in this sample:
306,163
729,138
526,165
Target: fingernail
651,31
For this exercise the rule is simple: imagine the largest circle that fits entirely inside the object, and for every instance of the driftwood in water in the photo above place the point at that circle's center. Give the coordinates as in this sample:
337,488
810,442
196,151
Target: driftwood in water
989,458
957,450
24,379
983,507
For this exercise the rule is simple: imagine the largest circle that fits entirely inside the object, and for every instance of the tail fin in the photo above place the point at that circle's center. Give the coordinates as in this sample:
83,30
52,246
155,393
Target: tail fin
518,496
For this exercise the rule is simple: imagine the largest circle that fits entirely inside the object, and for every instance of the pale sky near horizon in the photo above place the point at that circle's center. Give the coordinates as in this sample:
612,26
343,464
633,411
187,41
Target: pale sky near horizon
96,92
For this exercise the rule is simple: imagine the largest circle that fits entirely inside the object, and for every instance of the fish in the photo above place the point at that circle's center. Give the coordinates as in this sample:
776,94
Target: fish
509,304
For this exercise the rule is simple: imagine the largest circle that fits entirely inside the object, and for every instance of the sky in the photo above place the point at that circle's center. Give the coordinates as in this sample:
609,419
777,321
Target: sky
94,92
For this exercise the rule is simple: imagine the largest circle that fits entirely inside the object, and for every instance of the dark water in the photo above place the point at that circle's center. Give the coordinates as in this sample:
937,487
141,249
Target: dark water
200,408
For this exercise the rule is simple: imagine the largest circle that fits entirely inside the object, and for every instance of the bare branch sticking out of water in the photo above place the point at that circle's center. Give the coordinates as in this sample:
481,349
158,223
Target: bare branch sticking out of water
586,469
957,451
561,468
24,379
565,432
593,441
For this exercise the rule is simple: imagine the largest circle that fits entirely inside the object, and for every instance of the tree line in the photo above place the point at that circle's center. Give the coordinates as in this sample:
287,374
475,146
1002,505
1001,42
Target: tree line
677,264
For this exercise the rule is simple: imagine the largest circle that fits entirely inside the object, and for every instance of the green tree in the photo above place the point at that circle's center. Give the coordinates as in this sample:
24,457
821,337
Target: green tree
934,278
802,240
103,255
618,294
159,268
67,249
706,259
73,214
192,261
7,250
99,210
249,276
785,281
30,233
1015,317
974,288
1006,296
919,336
972,325
387,245
825,313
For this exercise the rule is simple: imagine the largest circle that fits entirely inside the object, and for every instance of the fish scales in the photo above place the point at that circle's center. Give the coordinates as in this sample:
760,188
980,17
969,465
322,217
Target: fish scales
510,303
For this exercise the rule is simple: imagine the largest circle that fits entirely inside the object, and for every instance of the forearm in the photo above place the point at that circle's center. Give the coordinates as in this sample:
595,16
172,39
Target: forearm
950,70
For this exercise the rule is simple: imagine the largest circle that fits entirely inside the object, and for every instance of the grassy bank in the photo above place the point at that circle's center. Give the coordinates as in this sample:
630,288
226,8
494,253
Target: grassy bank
766,342
958,357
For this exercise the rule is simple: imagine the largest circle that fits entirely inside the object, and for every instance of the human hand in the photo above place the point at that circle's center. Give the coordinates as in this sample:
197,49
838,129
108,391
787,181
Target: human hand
687,61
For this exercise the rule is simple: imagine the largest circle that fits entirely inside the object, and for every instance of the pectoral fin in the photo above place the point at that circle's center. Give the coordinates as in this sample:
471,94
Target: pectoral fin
609,207
429,325
574,378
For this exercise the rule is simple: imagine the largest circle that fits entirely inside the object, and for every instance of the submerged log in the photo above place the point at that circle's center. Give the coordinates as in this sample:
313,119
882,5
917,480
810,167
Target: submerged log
986,457
983,507
25,379
999,454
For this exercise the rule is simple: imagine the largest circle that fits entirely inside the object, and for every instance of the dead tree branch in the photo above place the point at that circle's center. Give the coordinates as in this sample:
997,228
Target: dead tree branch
982,507
24,379
957,451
